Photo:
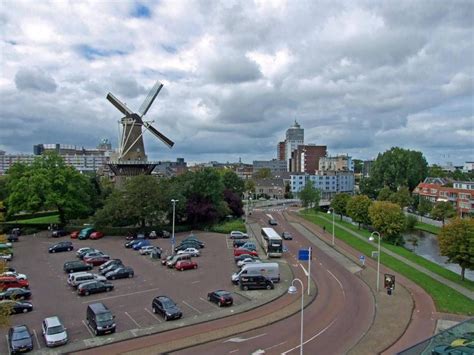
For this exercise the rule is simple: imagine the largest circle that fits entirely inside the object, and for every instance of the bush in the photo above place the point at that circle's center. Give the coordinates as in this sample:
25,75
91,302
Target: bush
410,223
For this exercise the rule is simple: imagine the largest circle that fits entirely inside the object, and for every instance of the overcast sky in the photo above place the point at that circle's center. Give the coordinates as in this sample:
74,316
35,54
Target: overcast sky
359,76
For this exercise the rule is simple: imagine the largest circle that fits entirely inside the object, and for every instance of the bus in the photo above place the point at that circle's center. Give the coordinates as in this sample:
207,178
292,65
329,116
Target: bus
272,242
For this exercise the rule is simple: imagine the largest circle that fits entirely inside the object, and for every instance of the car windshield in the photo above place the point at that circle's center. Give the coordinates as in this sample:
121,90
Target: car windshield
167,303
104,317
222,293
21,334
55,330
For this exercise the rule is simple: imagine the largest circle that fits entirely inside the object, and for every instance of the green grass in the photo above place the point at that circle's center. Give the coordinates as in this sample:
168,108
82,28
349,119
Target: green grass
427,228
229,226
38,220
445,298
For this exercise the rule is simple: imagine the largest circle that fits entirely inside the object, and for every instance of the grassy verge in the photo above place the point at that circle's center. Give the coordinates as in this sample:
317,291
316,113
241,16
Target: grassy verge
229,226
445,298
427,228
38,220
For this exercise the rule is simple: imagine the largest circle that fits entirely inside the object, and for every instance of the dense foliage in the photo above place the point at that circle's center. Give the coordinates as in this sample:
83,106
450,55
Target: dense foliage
388,219
310,196
358,209
339,203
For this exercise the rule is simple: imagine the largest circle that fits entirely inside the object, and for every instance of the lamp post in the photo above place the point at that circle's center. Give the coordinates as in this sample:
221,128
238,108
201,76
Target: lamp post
292,290
332,212
371,238
173,201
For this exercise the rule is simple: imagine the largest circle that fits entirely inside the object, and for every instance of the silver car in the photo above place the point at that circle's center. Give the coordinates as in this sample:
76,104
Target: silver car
54,332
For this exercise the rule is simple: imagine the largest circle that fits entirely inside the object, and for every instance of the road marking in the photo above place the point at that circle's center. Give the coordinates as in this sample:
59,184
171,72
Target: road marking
339,282
241,340
310,339
37,340
127,294
87,327
8,344
187,304
133,320
233,351
305,272
274,346
195,282
152,314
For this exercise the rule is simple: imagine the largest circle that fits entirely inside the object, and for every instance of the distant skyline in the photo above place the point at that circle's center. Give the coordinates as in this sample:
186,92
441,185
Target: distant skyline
359,77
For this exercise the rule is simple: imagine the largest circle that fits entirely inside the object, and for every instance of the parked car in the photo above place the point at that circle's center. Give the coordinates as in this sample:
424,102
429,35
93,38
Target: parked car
140,244
240,251
286,236
77,278
110,262
15,274
61,246
100,319
246,261
185,265
172,262
159,234
20,339
15,293
96,235
272,222
242,257
191,251
85,233
76,266
5,246
249,246
166,307
96,260
58,233
193,239
13,238
6,255
255,282
110,268
131,243
147,249
238,235
120,273
17,306
188,244
237,243
54,332
165,260
83,251
91,254
74,234
7,282
221,298
91,287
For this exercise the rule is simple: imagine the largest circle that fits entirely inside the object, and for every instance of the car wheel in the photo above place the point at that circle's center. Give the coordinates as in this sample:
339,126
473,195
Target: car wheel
130,275
153,309
53,251
96,332
108,289
219,304
86,293
113,277
269,287
25,310
208,298
69,249
166,317
245,288
195,266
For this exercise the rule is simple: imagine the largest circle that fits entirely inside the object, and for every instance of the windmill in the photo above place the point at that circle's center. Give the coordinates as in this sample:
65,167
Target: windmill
132,159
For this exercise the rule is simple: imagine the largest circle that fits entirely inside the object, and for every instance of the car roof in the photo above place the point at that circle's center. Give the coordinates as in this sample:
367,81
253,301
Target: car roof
17,328
52,321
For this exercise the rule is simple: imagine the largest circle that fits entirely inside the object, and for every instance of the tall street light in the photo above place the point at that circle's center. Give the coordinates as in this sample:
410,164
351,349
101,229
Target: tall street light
371,238
332,212
173,201
292,290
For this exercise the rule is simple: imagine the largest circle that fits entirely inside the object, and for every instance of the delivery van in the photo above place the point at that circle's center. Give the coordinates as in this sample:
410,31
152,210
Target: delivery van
270,270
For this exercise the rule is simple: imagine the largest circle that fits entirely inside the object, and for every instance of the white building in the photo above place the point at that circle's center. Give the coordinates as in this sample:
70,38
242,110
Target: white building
328,182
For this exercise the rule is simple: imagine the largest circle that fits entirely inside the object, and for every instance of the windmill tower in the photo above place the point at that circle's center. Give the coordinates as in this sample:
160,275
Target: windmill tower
132,159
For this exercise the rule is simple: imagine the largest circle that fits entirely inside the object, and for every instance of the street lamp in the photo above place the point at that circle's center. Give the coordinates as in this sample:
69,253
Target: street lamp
173,201
332,212
371,238
292,290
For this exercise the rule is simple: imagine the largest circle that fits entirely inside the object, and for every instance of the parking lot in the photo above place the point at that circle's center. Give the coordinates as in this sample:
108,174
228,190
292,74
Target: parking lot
131,299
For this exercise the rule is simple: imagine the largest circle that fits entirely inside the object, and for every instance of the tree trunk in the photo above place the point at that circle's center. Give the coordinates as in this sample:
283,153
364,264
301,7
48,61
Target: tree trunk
340,216
62,217
358,226
463,269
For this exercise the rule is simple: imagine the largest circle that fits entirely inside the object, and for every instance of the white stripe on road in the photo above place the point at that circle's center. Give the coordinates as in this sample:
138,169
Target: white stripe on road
339,282
195,282
153,315
87,327
8,344
274,346
127,294
133,320
305,272
37,340
310,339
187,304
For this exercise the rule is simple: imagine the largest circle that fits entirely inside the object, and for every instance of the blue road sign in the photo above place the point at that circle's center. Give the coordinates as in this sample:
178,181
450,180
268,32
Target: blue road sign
303,255
362,258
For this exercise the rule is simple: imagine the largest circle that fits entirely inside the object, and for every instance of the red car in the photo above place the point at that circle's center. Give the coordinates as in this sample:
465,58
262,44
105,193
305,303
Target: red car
97,260
240,251
186,265
96,235
7,282
74,234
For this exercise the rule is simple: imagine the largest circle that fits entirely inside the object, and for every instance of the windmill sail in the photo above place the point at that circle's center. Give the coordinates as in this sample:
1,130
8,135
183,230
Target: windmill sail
158,134
150,98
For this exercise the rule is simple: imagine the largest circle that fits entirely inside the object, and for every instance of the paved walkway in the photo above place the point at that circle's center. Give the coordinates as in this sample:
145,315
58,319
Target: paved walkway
466,292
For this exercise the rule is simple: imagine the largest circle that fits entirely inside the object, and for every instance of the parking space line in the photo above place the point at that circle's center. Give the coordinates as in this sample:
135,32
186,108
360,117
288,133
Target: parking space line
152,314
195,282
8,344
37,340
127,294
87,327
133,320
187,304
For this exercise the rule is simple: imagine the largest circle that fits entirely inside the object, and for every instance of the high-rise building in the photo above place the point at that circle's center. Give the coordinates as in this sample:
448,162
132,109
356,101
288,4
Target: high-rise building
306,158
294,137
336,163
281,151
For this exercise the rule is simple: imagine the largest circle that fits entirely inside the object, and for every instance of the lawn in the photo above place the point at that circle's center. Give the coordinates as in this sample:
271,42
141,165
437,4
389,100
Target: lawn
427,228
445,298
229,226
38,220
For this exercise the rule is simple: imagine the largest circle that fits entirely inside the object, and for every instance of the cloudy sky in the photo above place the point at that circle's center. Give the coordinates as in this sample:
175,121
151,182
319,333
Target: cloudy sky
359,76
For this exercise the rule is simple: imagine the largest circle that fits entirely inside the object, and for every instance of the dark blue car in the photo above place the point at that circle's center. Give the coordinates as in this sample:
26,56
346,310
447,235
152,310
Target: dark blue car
141,243
19,339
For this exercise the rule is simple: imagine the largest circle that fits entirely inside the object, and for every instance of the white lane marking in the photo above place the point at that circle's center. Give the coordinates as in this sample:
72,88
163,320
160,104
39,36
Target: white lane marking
87,327
152,314
187,304
274,346
133,320
240,340
233,351
305,272
8,344
37,340
127,294
339,282
195,282
310,339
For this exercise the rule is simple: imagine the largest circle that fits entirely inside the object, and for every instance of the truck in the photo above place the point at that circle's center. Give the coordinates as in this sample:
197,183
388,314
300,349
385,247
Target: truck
270,270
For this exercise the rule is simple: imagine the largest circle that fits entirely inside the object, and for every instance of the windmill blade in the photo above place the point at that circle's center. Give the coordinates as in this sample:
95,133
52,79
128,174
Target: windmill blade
161,136
150,98
119,105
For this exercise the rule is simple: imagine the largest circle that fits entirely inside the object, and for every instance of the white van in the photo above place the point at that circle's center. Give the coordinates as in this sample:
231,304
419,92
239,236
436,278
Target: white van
78,278
270,270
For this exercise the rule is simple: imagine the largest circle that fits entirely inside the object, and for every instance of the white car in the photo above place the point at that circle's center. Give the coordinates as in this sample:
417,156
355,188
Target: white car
15,274
238,235
54,332
246,261
191,251
146,250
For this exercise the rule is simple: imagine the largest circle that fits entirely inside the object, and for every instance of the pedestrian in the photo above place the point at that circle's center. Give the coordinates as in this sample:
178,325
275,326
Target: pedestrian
324,228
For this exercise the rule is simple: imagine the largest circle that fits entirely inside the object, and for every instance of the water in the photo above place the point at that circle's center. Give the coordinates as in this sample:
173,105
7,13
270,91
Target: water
428,248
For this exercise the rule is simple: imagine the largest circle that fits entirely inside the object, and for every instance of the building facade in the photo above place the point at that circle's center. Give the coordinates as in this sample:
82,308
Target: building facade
281,151
328,182
336,163
275,166
306,158
270,188
294,138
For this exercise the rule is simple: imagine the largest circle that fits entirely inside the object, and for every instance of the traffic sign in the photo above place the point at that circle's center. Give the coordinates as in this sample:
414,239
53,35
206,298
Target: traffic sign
362,259
303,255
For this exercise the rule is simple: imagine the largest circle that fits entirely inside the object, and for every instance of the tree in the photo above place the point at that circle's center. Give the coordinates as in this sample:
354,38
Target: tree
402,197
368,187
48,183
234,202
424,206
443,210
399,167
339,203
384,194
388,219
288,193
310,196
456,242
436,171
264,173
358,166
358,209
232,182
